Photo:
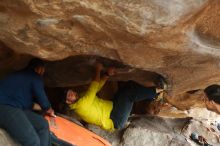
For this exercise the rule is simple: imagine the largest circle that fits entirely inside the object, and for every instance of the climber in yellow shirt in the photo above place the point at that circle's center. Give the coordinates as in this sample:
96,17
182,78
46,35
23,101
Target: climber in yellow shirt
89,107
107,114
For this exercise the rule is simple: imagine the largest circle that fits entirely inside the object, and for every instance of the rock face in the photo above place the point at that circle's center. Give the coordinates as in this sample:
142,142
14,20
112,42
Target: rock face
157,131
177,39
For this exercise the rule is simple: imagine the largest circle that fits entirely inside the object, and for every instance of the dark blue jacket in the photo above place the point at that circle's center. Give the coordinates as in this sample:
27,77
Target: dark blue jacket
21,89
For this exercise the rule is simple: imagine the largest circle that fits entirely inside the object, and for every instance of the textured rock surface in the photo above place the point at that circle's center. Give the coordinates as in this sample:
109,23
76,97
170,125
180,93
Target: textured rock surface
79,70
158,131
145,130
176,38
203,128
154,131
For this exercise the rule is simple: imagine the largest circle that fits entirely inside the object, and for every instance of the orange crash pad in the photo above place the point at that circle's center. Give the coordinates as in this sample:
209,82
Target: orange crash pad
73,133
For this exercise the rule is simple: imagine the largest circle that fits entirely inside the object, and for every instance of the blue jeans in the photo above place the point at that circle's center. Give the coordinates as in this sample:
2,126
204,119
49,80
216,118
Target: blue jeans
124,99
25,126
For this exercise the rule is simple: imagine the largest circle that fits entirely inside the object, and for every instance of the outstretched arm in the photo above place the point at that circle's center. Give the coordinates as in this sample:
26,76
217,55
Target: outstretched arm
105,77
98,69
99,81
94,86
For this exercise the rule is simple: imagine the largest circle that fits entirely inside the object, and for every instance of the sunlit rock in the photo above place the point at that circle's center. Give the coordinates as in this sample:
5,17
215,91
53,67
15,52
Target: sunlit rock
176,38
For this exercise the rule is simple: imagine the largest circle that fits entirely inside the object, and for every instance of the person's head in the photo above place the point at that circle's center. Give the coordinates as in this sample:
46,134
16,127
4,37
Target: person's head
212,98
71,96
36,65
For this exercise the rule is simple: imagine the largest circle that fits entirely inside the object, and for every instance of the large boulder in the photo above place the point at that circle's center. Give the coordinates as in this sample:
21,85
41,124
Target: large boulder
161,131
177,39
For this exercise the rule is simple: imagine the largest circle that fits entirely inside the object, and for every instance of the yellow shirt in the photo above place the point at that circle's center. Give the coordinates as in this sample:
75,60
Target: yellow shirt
93,109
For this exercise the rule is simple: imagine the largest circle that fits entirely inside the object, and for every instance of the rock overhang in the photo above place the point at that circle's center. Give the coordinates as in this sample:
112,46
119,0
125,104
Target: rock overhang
176,39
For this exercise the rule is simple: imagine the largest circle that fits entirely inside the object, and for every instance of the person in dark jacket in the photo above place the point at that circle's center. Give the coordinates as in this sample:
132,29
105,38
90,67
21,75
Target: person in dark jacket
18,92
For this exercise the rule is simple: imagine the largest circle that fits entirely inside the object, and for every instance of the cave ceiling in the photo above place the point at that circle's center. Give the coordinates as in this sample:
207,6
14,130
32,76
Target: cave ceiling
178,39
